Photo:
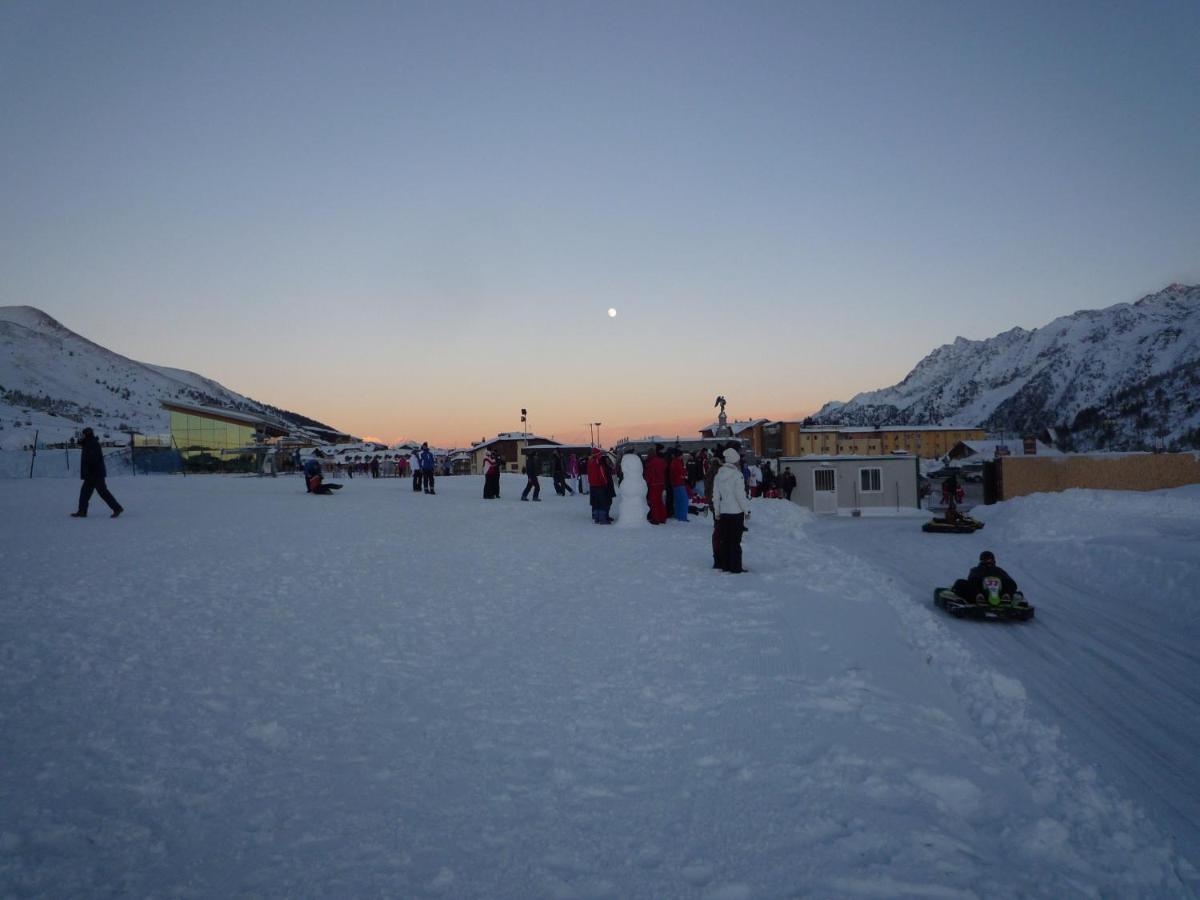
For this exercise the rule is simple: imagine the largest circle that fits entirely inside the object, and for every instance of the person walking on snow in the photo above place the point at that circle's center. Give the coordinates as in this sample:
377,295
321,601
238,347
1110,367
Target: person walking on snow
731,508
531,479
574,474
93,472
559,474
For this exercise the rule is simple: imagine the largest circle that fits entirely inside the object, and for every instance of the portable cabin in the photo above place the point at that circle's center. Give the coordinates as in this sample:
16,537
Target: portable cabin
832,484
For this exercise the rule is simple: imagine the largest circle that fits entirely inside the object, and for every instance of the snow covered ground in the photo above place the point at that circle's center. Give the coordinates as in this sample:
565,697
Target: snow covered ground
238,689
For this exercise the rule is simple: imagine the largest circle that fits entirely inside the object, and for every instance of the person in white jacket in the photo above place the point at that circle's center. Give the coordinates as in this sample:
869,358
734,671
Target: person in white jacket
731,509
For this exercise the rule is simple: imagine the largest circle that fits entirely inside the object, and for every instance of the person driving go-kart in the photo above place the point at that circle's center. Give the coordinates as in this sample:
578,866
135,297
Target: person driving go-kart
981,581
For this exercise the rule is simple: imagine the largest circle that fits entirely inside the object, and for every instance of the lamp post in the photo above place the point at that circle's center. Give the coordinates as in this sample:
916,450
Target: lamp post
597,424
524,428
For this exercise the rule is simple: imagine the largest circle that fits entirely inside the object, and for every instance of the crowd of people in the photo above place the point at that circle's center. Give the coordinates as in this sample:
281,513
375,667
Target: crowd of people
677,484
721,482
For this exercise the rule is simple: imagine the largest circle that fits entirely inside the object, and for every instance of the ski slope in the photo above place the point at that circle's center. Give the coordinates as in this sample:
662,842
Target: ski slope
240,689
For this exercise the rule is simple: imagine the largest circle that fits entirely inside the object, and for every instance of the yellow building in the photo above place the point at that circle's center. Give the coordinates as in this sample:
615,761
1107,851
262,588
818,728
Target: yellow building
794,439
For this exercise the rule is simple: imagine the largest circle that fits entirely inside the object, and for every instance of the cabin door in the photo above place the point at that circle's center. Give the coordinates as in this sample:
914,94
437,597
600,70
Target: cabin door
825,491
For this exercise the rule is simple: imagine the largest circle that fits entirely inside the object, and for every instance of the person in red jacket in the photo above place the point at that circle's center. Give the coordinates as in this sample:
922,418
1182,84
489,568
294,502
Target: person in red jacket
677,478
656,483
599,488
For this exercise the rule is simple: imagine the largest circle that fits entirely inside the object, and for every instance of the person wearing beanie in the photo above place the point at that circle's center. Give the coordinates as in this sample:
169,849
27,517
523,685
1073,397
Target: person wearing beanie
731,509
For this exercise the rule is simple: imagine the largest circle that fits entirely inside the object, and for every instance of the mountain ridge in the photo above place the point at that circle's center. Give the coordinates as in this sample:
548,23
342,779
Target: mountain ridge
1122,377
54,381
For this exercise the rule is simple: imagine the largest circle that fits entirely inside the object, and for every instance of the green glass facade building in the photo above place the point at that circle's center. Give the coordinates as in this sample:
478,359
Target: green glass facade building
218,440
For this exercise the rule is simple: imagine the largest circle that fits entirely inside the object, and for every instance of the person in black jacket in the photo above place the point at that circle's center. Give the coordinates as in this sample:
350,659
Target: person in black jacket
93,473
972,586
787,482
559,473
531,478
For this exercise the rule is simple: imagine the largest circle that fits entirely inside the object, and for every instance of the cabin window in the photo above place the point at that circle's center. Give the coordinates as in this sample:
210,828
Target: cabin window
869,480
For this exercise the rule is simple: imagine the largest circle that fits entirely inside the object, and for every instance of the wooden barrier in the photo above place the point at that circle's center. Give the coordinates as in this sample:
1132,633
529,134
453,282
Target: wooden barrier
1017,476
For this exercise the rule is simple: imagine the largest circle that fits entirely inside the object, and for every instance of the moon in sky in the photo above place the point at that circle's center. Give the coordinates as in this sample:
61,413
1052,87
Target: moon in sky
612,313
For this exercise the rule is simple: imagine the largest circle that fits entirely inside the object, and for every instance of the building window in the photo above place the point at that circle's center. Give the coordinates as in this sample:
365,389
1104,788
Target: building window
869,480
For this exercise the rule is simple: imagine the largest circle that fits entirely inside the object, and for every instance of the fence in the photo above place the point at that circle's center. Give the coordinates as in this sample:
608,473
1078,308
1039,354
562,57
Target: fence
58,462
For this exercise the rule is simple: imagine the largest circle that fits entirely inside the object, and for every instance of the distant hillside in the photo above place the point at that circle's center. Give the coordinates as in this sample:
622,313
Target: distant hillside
55,381
1124,377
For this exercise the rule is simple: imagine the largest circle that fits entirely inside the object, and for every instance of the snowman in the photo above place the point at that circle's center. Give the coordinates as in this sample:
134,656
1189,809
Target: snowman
632,508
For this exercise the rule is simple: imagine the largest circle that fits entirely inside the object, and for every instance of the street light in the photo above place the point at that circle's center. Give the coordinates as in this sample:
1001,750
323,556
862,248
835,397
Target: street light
524,430
597,424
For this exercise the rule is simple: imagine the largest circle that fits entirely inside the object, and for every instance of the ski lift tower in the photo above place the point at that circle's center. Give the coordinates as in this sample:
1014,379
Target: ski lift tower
723,429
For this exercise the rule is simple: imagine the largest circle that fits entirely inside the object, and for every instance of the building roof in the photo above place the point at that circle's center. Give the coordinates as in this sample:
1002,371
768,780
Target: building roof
736,426
867,429
514,436
847,457
1016,447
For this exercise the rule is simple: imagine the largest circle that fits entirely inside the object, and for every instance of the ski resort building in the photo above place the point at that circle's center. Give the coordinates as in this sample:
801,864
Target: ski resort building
212,439
508,447
832,484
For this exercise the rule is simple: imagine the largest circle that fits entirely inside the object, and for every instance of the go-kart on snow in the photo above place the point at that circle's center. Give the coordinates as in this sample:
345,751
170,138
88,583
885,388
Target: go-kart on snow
991,604
953,522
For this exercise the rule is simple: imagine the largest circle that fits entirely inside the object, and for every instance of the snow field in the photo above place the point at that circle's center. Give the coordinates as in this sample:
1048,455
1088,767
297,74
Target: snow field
238,688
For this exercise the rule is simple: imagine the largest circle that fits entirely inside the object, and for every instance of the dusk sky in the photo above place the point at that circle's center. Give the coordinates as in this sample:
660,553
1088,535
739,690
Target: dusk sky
409,220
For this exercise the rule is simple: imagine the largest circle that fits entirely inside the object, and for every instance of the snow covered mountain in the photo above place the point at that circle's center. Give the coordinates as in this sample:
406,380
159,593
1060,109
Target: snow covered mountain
54,381
1124,377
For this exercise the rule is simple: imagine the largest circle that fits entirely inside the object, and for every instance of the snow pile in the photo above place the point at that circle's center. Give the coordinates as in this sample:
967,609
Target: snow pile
239,688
